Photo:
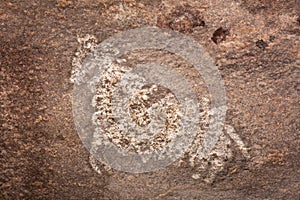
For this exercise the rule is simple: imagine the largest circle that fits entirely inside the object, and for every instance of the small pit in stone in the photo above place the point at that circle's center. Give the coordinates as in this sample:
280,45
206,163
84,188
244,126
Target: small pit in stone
220,35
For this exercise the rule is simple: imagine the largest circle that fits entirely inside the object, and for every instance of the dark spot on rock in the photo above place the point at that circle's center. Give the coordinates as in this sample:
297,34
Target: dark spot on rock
261,44
298,20
271,38
220,35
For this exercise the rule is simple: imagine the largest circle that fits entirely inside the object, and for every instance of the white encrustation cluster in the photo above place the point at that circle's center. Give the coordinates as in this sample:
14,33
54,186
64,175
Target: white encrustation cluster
86,45
150,106
148,102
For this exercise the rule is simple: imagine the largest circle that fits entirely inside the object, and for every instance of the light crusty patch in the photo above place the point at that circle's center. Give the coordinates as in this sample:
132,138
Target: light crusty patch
87,44
141,103
207,168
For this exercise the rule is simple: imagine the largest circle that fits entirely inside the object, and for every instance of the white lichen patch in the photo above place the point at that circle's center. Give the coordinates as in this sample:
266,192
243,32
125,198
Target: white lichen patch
209,166
146,103
87,44
152,97
98,166
150,107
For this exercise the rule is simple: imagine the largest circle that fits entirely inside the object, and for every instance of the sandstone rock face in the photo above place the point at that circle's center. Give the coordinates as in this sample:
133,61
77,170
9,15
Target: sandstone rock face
255,47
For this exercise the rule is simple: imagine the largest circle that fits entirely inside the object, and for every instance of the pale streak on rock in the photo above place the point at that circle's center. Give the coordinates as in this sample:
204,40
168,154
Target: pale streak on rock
236,138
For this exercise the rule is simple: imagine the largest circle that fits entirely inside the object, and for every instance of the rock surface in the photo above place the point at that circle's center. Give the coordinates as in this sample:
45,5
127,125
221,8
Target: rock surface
255,44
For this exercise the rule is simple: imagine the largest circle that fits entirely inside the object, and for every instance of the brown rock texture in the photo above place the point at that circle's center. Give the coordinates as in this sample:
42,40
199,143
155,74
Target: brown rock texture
255,44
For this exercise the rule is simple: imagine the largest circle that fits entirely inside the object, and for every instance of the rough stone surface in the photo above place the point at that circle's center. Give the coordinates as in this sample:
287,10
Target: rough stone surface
41,155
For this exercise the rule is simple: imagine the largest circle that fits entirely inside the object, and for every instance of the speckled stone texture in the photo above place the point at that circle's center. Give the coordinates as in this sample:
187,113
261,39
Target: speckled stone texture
255,45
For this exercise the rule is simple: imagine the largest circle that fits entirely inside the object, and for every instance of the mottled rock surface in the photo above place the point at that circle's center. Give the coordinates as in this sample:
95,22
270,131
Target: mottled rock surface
255,44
